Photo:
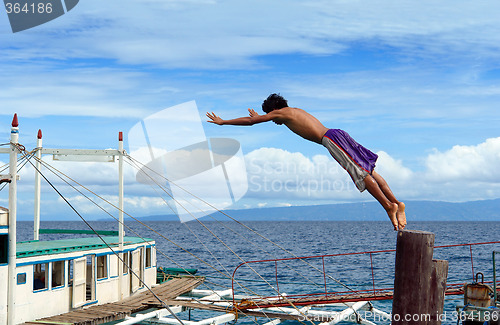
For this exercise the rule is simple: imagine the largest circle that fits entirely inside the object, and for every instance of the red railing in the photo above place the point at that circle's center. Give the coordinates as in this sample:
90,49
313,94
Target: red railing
344,296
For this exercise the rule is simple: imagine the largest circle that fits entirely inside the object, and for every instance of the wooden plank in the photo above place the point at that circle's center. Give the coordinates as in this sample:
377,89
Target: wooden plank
99,314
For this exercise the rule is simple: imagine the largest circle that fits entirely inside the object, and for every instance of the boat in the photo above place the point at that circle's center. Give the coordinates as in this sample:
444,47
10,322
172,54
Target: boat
40,278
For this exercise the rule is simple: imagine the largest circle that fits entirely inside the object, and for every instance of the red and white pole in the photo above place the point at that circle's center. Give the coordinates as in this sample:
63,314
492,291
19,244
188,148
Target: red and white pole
12,259
38,181
120,211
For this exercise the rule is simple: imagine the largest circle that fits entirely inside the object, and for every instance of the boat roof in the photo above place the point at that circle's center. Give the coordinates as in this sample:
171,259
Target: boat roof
37,248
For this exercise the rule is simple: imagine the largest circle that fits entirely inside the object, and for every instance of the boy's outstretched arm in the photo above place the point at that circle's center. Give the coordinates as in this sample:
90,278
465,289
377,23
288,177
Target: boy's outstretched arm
254,118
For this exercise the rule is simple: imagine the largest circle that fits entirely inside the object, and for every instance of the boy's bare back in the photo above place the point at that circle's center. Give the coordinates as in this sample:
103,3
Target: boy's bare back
300,122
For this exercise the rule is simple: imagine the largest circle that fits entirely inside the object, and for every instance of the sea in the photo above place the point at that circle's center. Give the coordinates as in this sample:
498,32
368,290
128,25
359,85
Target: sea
263,256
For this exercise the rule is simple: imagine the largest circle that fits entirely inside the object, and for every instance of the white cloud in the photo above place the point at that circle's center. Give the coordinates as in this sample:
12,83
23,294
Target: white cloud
466,163
393,170
282,175
460,174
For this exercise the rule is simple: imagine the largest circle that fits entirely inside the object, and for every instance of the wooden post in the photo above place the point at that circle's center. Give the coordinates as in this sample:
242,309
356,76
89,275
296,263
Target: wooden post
438,288
412,280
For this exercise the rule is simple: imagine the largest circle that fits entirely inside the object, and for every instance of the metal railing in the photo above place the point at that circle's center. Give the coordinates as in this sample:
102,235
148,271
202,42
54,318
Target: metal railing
327,296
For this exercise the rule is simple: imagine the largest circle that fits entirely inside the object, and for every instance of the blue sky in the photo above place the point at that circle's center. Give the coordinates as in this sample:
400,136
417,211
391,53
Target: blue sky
416,82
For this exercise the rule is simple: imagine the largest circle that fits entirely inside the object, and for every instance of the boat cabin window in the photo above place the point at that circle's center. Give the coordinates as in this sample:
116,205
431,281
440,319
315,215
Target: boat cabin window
40,276
21,278
148,256
102,267
57,274
4,248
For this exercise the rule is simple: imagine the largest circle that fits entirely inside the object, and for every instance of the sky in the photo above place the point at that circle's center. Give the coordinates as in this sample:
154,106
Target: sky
416,82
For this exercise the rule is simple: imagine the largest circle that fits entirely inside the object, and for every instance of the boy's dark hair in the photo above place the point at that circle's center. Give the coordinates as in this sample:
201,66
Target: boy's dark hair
274,101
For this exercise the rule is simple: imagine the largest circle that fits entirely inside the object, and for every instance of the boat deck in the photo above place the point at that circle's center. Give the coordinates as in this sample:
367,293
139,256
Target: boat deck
114,311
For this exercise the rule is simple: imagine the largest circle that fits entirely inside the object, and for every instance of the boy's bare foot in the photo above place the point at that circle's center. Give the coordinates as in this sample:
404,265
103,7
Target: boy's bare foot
401,216
392,213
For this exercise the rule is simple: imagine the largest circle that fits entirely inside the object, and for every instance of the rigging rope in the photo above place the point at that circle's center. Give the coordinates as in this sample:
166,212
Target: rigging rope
51,168
238,222
54,170
223,225
20,160
102,239
225,214
220,240
27,159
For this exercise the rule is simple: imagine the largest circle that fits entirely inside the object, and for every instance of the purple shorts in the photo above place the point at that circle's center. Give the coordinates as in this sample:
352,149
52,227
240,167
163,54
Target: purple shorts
353,157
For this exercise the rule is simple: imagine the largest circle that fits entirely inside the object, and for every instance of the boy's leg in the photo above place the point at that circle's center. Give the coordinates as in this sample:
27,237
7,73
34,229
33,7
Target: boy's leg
384,187
401,216
390,207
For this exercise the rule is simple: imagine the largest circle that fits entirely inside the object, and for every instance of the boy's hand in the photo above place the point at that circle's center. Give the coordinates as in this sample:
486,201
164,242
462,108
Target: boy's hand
214,119
252,112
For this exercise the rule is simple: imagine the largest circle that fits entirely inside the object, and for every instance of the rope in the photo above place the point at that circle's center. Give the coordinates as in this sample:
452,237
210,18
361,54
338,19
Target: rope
22,149
228,274
158,250
214,235
48,166
223,225
51,168
234,253
330,277
22,160
267,252
100,237
240,223
104,210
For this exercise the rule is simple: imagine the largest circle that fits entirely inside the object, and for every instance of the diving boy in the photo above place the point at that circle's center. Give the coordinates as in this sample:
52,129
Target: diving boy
358,161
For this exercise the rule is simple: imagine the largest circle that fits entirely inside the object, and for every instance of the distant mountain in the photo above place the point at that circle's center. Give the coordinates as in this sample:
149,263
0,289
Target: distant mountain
484,210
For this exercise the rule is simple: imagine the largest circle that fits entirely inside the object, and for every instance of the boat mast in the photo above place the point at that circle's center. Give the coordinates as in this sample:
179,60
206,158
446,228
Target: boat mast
38,179
14,140
120,212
